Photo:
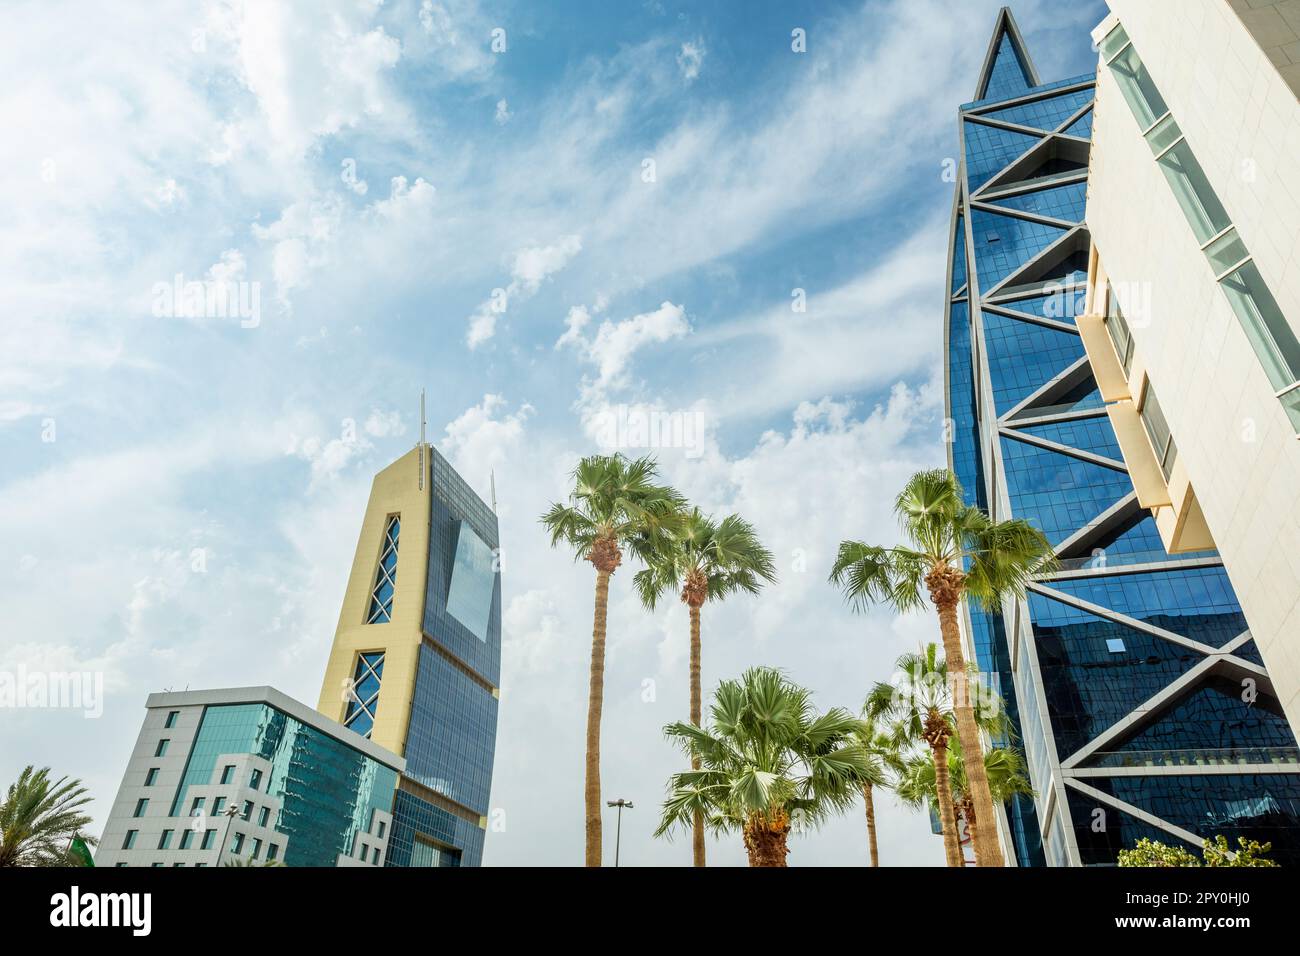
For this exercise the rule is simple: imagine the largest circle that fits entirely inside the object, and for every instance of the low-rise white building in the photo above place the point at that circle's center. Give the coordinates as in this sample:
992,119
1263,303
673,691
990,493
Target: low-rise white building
249,775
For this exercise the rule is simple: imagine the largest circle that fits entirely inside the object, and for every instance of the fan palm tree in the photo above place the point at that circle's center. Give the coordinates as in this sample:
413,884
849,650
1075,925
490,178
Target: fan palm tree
955,551
882,748
918,707
39,818
1005,770
708,561
244,861
1004,767
766,760
616,503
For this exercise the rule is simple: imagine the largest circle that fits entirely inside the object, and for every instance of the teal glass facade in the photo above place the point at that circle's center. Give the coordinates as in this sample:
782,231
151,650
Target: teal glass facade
451,736
328,791
1130,676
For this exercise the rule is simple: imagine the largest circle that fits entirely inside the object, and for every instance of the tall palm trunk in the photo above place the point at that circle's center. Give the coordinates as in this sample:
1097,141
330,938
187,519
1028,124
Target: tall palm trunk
765,840
936,732
947,819
595,704
945,586
968,814
871,823
697,833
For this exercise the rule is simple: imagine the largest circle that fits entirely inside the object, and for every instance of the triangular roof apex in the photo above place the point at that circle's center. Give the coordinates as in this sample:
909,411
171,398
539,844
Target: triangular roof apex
1006,25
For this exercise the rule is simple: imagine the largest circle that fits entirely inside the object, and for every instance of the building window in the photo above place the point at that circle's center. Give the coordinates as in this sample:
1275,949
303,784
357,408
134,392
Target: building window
247,813
473,578
375,856
209,837
165,841
171,719
272,851
257,848
196,806
254,779
237,844
140,807
187,838
218,804
1118,328
151,777
161,749
1267,328
1162,441
363,703
381,596
382,827
264,817
129,842
1135,82
228,773
1193,191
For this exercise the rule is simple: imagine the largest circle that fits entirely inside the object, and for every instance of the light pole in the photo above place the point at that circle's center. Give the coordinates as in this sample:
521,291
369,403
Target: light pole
618,827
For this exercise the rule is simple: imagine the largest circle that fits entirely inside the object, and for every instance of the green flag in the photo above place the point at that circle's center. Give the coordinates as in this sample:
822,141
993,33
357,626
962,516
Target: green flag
80,852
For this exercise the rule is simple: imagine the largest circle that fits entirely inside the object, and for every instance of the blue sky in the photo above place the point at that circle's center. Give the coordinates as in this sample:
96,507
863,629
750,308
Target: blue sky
180,494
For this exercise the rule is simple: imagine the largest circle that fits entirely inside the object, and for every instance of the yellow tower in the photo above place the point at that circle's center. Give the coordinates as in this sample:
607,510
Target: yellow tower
416,659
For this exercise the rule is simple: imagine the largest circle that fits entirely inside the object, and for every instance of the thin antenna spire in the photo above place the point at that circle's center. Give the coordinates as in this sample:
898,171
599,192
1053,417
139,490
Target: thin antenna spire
421,463
492,481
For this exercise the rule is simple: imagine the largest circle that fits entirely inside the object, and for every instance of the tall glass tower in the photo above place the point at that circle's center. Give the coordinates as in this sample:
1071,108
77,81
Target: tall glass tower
1141,701
416,660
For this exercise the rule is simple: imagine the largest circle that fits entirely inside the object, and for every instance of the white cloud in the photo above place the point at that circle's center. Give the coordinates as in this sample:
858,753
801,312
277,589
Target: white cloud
313,71
578,318
531,266
484,438
615,343
535,263
503,113
405,200
384,424
301,240
690,59
457,35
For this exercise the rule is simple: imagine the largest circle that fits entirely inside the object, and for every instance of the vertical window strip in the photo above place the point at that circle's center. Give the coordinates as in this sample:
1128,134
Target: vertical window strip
364,703
381,596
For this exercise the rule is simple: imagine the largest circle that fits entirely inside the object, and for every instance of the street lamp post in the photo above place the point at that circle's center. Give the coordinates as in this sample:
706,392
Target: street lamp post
618,827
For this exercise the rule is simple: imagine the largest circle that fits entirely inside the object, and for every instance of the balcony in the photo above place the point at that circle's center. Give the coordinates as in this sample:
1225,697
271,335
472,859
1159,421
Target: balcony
1203,757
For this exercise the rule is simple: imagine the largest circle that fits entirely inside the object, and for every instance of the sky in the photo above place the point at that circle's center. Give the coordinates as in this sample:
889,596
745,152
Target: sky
552,217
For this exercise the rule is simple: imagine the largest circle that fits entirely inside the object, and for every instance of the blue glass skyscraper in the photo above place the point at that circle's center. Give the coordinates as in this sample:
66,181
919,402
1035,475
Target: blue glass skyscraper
1139,698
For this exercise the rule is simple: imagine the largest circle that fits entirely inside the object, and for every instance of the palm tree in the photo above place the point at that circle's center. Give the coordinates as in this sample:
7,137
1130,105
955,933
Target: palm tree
956,551
883,750
248,861
918,708
616,503
1005,770
39,818
708,561
1003,766
766,760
